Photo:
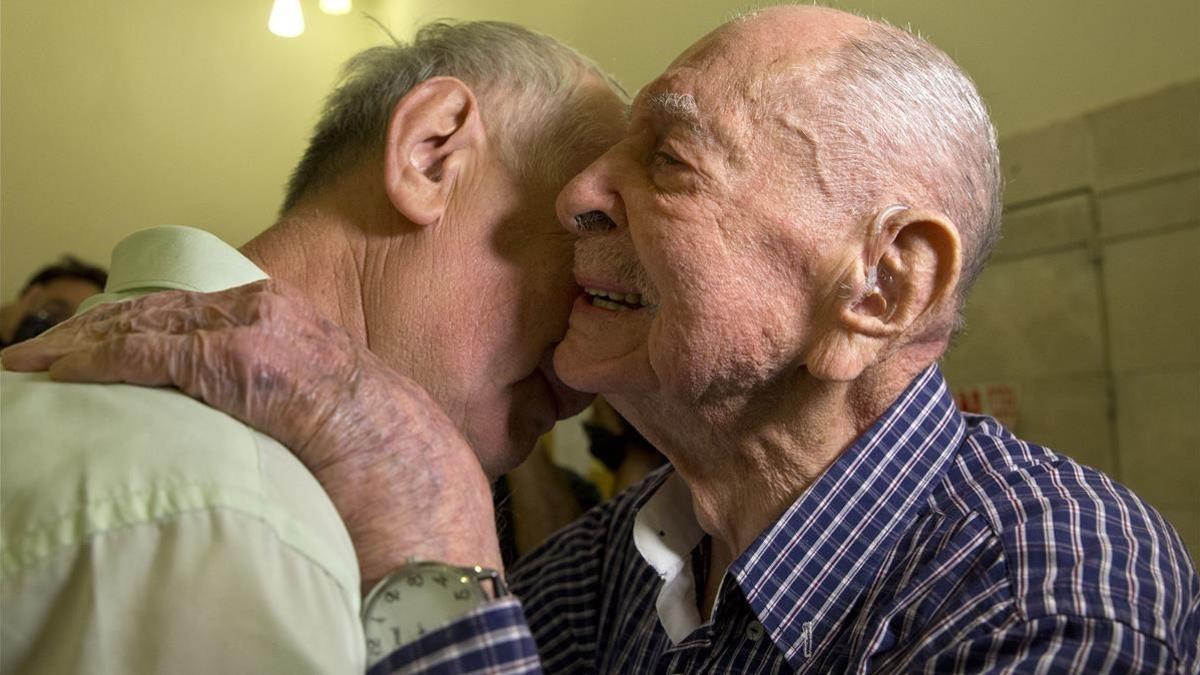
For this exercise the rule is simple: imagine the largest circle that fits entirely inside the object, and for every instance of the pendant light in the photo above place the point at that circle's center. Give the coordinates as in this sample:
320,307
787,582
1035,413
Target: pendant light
335,7
287,20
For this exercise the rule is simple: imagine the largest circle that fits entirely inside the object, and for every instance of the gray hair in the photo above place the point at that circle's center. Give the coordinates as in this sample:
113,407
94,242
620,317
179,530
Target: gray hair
903,118
540,75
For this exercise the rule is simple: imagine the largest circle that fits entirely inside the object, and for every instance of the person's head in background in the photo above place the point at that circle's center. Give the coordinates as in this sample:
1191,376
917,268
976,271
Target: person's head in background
50,296
421,218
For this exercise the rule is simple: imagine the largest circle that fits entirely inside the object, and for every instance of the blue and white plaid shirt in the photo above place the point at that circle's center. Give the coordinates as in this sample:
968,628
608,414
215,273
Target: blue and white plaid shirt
936,543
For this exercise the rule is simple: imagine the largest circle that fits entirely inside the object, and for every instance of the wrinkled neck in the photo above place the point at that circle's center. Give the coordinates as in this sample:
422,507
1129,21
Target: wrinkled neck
746,461
320,260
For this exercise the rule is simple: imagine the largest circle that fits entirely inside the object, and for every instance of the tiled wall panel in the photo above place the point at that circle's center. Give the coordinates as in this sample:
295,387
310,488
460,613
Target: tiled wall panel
1153,290
1032,318
1049,161
1042,226
1091,306
1070,415
1162,204
1147,138
1158,432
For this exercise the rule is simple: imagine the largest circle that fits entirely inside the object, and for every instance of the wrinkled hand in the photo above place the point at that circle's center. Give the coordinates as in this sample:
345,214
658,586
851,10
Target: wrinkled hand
403,478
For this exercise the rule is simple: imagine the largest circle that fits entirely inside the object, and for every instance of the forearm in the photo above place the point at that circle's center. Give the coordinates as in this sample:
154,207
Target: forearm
406,483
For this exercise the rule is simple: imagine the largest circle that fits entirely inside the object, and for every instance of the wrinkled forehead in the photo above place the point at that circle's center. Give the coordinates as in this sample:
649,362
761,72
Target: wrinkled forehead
747,61
724,92
700,92
713,69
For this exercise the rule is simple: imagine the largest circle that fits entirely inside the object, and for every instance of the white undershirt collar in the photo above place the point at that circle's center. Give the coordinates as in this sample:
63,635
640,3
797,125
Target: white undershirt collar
665,532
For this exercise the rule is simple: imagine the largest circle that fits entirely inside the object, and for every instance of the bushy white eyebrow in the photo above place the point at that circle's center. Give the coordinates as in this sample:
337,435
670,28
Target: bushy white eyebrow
678,107
674,104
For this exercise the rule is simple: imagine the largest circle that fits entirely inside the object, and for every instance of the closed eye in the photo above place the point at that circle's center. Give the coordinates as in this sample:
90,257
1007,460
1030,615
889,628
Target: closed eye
663,159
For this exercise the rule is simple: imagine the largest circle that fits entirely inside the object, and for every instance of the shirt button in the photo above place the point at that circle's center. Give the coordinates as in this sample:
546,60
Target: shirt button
754,631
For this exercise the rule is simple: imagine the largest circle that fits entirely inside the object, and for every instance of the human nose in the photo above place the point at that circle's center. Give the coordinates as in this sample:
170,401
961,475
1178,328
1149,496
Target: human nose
591,203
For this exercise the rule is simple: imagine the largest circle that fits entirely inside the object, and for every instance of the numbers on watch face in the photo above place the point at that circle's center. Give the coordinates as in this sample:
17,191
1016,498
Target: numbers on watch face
413,603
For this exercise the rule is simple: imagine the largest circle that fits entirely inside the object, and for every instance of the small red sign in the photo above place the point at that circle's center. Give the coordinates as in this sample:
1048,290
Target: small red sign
1000,400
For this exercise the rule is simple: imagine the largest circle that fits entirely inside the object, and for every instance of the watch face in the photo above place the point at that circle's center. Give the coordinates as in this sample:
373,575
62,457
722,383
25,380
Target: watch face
419,598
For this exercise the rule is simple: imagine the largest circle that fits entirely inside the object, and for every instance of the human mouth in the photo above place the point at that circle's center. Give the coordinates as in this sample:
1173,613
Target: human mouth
615,300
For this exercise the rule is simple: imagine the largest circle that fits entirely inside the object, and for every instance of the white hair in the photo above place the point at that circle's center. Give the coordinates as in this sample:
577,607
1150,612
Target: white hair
527,82
899,120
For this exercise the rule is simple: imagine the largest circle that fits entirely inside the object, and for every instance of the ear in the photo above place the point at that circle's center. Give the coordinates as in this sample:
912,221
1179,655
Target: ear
900,289
434,133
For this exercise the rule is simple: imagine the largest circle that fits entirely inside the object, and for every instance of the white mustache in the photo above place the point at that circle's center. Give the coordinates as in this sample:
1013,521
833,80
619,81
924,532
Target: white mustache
614,262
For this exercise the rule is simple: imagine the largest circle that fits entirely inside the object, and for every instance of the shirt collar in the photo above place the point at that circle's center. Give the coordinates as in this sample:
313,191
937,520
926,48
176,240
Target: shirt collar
173,257
665,531
800,574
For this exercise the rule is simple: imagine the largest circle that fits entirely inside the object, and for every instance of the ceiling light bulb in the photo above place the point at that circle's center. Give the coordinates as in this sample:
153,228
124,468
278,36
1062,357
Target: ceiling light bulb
335,7
286,18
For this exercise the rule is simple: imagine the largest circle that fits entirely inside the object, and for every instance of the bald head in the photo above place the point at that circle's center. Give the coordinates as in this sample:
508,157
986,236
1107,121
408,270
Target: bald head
880,115
799,28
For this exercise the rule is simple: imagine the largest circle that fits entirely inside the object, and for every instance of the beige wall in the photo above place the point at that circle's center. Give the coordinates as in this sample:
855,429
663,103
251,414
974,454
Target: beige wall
120,115
1089,307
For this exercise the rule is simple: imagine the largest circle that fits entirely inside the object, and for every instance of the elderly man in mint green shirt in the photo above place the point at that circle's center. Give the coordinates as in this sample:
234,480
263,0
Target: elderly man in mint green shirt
143,531
155,533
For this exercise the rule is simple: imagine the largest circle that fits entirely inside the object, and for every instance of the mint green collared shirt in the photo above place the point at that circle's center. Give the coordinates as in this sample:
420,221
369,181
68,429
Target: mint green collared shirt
144,532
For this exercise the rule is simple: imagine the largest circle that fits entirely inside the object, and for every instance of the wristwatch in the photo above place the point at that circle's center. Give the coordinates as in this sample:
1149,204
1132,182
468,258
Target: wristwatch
419,597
